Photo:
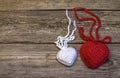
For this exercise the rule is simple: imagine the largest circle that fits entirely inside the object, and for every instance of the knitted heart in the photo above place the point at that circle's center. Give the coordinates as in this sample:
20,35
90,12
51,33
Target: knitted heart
93,52
67,56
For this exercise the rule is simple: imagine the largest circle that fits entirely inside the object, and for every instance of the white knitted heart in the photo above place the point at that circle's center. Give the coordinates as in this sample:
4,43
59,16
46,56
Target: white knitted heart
67,56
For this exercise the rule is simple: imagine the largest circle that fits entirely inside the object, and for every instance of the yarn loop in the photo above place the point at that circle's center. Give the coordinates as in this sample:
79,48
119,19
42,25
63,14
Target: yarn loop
107,39
62,41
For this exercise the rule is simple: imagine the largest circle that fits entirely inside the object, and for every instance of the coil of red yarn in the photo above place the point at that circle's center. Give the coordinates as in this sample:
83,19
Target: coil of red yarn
94,52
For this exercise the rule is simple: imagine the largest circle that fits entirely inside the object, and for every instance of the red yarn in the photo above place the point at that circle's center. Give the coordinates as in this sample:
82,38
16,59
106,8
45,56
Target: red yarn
93,52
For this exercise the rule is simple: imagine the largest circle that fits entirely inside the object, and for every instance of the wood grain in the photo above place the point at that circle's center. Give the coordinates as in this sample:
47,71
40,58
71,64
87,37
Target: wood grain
45,26
39,61
58,4
28,29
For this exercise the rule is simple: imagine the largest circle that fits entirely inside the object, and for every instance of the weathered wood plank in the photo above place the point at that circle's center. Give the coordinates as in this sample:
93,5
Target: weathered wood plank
45,26
55,4
39,61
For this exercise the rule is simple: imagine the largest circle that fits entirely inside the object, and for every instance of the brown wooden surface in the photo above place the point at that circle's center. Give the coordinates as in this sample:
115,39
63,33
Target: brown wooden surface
40,26
28,29
39,61
57,4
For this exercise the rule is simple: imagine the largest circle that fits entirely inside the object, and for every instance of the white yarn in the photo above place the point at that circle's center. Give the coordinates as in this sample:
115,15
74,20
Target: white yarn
62,42
67,55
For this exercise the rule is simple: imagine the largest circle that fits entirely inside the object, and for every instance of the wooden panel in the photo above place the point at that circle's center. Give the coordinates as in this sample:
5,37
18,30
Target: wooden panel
39,61
28,29
58,4
45,26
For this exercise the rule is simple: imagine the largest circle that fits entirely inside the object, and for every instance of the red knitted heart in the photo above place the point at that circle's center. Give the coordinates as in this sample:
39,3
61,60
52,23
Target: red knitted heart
93,52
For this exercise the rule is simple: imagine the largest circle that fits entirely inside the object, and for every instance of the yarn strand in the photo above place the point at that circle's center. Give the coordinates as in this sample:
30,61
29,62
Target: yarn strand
107,39
62,42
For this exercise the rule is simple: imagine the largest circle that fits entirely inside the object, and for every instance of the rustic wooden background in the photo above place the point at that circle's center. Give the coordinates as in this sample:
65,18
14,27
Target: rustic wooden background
28,29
